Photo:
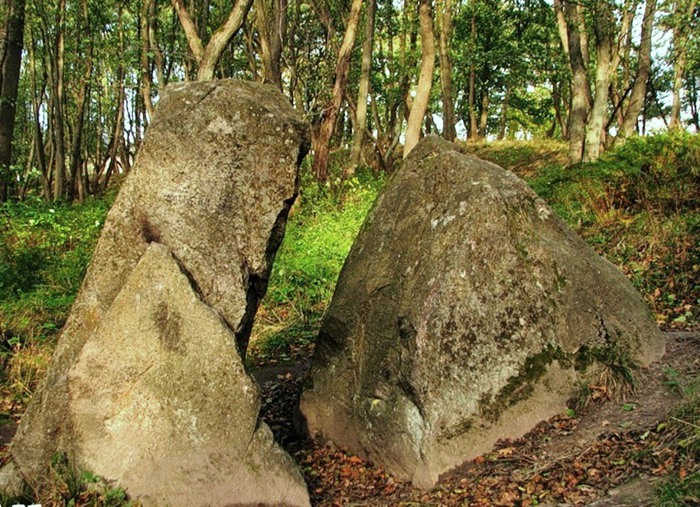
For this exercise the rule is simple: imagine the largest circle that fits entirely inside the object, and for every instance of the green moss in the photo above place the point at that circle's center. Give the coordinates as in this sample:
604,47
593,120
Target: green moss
522,385
456,430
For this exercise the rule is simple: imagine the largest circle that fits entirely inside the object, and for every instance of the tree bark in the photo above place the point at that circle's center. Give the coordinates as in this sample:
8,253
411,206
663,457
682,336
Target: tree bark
444,18
425,80
361,113
580,90
158,57
207,57
12,37
561,26
680,53
639,86
271,19
484,113
504,113
330,113
146,81
473,131
57,68
80,106
604,26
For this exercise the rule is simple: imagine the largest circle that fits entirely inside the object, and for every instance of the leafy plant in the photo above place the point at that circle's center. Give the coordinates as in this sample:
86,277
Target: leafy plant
638,205
74,487
320,231
684,435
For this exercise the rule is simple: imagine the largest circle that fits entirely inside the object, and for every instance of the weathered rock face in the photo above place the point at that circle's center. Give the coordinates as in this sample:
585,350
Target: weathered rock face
147,386
465,312
160,400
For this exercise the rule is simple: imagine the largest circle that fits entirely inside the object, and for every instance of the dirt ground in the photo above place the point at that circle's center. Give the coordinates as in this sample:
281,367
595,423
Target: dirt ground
612,453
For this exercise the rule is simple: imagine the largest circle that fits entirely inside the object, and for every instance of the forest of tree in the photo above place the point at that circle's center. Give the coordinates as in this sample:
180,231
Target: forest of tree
80,78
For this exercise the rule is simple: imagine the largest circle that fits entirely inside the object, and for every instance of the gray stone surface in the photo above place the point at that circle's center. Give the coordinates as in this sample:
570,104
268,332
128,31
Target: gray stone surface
213,182
160,401
466,312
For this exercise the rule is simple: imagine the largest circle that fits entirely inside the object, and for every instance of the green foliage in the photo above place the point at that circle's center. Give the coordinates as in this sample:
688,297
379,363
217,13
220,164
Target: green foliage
74,487
680,492
44,252
684,430
639,206
320,231
686,420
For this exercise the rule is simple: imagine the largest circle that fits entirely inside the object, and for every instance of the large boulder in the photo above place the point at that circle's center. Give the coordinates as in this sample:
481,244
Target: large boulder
147,387
466,312
161,403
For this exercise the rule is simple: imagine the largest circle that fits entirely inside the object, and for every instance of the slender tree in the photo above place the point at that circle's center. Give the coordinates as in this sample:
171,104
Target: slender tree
11,43
208,56
683,12
425,80
606,63
321,141
271,19
638,91
363,92
449,120
580,87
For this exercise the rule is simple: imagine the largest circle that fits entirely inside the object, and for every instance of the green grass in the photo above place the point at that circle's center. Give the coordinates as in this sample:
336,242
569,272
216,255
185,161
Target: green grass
44,251
680,492
320,232
683,488
639,206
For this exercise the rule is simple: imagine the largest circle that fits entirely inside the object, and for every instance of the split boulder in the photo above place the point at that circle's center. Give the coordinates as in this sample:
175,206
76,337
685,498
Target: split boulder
466,312
147,386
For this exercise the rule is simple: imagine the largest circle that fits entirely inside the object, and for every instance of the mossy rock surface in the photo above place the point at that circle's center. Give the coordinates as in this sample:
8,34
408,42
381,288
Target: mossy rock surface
458,318
147,388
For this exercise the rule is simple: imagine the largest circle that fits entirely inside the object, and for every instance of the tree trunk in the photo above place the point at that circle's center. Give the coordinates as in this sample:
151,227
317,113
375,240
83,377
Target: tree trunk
484,113
76,148
57,68
146,81
680,53
115,143
604,26
295,92
580,90
330,114
272,26
158,57
561,27
361,113
38,134
444,18
425,80
639,87
207,57
559,119
693,100
504,113
12,37
471,100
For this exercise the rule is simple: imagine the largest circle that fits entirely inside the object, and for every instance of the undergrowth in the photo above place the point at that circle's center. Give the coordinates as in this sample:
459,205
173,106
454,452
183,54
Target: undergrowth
683,488
44,251
638,205
320,231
